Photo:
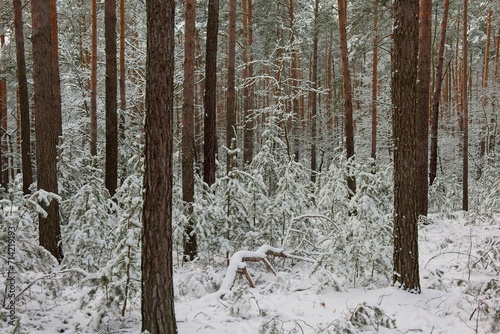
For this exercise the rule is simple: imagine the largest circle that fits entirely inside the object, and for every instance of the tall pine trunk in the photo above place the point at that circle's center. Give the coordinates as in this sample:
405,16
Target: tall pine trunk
210,99
231,91
157,298
404,100
314,92
190,245
465,112
46,129
422,117
23,98
436,97
347,88
111,172
93,79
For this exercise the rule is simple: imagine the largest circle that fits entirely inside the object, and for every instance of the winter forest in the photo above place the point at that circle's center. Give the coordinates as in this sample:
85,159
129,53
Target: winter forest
251,166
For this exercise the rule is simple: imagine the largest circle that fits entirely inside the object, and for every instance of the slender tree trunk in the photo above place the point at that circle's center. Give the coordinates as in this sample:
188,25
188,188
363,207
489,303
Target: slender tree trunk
314,92
157,302
23,98
465,112
4,162
294,74
123,96
55,65
45,126
210,100
487,137
436,98
190,244
375,83
422,117
231,91
346,80
248,103
404,100
93,80
4,147
111,177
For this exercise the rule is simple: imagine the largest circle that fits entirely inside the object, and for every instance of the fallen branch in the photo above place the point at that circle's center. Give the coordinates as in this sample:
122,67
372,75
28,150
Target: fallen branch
237,264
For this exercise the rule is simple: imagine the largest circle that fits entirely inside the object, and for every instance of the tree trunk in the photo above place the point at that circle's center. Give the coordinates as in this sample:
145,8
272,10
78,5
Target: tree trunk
422,116
346,80
210,100
4,162
93,81
123,96
436,98
231,91
111,177
157,299
248,102
190,244
45,125
404,100
55,65
375,83
465,113
23,98
314,92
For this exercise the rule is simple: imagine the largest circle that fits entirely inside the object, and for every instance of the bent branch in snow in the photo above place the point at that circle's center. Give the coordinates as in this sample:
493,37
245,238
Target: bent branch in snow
237,264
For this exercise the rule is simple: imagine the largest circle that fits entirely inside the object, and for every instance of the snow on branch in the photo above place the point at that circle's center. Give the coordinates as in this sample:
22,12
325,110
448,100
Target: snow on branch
237,264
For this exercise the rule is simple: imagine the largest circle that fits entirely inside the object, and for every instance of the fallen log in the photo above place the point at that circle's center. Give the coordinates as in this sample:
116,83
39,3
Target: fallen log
237,264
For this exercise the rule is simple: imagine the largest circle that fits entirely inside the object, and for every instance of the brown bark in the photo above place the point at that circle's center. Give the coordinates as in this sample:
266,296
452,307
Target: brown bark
157,302
23,98
436,97
45,127
122,87
248,102
190,244
93,80
314,93
4,163
465,112
210,99
374,83
295,89
111,172
55,65
346,81
231,92
404,100
422,116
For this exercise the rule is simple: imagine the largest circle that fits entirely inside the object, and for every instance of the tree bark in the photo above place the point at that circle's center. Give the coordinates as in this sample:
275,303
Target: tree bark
248,103
465,112
422,117
374,83
231,91
55,65
45,126
404,100
22,83
314,92
122,87
436,97
4,162
190,244
346,80
210,99
93,80
111,172
157,299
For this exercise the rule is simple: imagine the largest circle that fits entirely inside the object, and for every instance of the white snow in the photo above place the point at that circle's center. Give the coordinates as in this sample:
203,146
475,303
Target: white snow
456,264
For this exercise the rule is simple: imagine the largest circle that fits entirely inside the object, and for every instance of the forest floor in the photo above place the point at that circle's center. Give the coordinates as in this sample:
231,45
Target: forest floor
459,270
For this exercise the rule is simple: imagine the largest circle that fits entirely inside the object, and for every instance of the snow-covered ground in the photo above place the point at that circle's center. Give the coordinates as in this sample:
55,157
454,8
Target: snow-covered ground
459,267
